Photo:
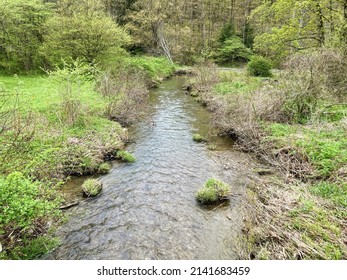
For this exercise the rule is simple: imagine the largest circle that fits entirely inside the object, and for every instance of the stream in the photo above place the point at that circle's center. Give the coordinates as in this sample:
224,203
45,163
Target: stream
147,210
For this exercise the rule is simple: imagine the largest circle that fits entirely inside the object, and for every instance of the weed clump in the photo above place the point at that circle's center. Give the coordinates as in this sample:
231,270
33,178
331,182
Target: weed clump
213,191
104,168
198,138
91,187
125,156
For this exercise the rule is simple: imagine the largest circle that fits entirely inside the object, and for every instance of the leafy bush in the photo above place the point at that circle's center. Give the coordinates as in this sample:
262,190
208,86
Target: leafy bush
233,50
125,156
154,67
23,203
259,66
212,192
72,80
91,187
94,38
26,212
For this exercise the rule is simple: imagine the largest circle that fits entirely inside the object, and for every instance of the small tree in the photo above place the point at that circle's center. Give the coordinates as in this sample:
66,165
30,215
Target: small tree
94,38
21,33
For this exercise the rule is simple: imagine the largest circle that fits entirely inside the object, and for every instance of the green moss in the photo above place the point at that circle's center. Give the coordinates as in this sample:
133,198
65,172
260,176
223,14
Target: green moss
125,156
91,187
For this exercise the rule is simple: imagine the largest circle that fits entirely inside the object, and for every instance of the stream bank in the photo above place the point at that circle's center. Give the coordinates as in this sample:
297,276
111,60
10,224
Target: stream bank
147,210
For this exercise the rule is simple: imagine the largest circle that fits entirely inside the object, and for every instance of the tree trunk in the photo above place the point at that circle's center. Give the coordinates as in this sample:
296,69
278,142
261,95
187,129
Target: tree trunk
320,25
161,40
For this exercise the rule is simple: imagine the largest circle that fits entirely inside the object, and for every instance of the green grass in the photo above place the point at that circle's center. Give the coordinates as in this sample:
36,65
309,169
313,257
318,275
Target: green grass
32,248
326,147
104,168
232,82
125,156
213,191
156,67
317,229
333,192
42,94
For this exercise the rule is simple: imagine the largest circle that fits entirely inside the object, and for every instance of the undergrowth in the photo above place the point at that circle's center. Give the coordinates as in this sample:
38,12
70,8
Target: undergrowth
59,125
294,122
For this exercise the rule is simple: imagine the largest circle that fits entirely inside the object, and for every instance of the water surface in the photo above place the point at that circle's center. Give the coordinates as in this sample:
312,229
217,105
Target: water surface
147,210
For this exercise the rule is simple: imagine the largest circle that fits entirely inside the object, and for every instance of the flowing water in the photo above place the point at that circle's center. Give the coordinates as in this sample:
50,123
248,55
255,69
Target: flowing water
147,210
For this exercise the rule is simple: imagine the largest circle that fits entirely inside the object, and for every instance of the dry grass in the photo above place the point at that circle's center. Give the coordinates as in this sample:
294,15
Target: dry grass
125,92
286,222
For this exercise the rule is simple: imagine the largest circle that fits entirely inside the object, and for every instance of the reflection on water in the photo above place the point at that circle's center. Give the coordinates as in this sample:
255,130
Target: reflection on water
147,210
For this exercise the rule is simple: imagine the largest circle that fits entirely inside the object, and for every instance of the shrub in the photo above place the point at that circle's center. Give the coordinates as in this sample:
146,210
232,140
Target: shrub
91,187
27,208
212,192
72,81
23,202
154,67
259,66
233,50
125,156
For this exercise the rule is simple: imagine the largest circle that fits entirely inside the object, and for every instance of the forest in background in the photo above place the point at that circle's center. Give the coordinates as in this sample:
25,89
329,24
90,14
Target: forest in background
75,74
38,34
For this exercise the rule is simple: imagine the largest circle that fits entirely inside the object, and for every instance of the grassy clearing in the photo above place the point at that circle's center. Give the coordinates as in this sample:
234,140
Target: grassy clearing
325,145
236,82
